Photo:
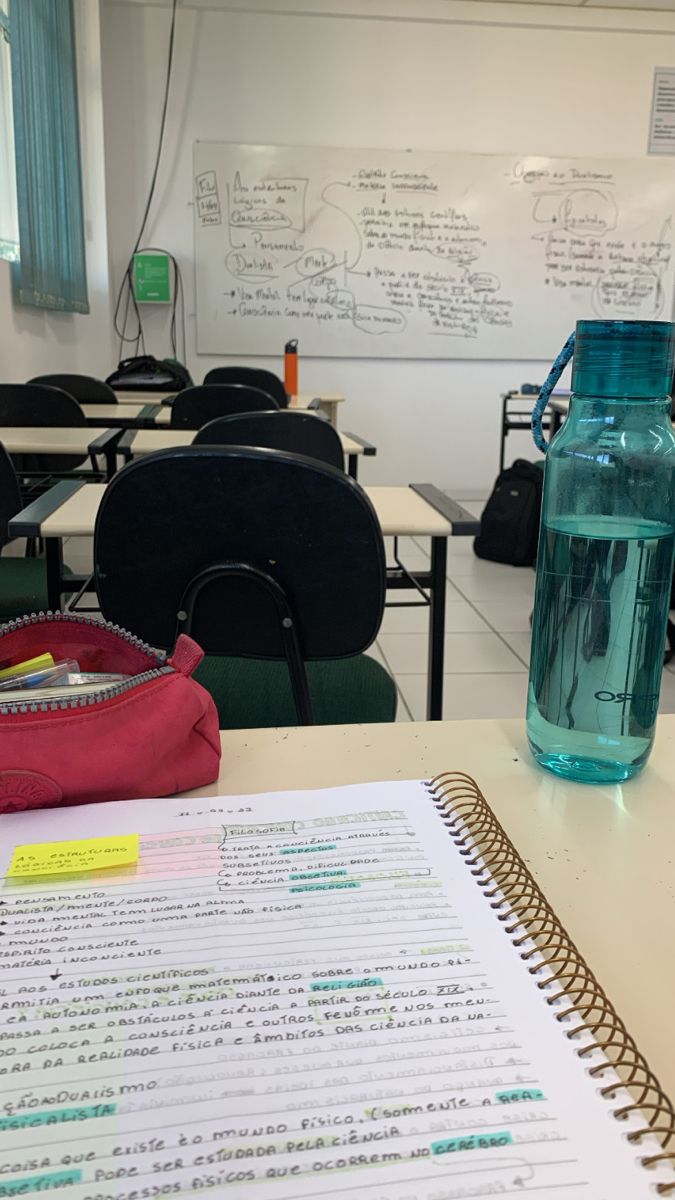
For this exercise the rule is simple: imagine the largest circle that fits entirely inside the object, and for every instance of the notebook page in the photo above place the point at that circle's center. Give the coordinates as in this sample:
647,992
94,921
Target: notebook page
294,995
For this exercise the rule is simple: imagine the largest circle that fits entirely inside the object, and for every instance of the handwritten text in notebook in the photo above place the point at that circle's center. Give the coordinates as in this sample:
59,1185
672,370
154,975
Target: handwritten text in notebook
214,1024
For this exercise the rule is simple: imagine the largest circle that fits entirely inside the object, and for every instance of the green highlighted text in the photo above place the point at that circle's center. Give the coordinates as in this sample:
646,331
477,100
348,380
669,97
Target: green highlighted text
38,1183
307,849
57,1116
333,985
323,887
472,1141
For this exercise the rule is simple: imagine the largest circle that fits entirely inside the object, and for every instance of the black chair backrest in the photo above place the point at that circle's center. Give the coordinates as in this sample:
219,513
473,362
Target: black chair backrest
296,432
83,388
168,517
194,406
255,377
24,404
10,495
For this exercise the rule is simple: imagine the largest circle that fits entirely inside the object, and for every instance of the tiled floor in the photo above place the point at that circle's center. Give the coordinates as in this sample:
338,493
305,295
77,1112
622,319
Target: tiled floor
487,644
487,638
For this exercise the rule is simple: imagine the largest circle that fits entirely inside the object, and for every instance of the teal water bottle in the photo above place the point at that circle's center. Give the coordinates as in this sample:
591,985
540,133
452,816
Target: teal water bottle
605,561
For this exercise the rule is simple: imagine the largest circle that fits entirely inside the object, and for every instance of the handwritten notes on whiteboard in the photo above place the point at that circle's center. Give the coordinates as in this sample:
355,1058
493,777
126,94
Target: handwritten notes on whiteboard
298,995
383,253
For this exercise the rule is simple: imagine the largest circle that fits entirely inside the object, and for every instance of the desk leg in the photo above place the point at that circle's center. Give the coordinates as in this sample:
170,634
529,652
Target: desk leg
439,557
54,559
110,463
330,409
353,465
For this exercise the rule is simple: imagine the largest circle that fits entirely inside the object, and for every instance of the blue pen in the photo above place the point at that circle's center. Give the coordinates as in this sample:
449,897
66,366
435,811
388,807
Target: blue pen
47,677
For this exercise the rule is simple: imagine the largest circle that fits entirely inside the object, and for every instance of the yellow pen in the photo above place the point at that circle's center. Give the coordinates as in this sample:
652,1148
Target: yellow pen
29,665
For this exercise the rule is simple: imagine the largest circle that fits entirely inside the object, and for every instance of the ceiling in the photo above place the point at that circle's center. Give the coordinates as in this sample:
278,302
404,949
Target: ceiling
662,5
256,5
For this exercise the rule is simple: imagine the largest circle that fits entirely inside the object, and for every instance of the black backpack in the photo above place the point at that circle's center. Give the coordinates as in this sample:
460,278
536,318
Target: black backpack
509,526
148,374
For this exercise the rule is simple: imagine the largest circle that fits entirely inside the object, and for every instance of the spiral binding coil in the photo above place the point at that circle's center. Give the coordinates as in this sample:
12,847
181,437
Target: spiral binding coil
498,868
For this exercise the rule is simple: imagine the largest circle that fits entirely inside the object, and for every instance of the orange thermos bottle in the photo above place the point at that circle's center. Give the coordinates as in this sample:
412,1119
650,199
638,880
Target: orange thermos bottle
291,367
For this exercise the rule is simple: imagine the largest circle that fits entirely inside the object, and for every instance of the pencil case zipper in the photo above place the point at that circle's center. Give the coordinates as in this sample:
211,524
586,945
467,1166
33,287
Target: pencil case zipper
112,692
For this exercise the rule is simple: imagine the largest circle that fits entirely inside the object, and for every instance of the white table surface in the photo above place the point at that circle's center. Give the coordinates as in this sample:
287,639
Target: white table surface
602,855
298,403
328,403
400,511
528,396
302,400
147,441
51,439
76,517
110,412
143,397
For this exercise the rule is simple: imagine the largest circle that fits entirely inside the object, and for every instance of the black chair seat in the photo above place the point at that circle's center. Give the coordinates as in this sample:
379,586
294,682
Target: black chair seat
23,586
253,694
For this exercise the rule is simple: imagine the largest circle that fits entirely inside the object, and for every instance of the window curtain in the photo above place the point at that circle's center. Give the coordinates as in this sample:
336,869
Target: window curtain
51,272
9,228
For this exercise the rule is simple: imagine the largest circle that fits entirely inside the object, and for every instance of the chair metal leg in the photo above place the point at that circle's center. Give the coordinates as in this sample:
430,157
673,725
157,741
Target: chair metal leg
54,557
87,585
439,555
297,672
289,633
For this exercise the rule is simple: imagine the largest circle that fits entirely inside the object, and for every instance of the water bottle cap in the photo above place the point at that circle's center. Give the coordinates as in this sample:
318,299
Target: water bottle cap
623,358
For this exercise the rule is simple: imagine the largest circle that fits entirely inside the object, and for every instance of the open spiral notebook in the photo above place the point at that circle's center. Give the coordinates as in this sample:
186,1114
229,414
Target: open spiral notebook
316,993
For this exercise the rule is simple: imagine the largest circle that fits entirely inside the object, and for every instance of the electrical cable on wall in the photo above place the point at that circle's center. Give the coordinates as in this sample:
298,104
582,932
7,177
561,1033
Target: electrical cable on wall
125,295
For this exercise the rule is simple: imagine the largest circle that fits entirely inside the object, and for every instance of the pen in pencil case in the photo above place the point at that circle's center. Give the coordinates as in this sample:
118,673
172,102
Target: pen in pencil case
94,677
45,678
10,671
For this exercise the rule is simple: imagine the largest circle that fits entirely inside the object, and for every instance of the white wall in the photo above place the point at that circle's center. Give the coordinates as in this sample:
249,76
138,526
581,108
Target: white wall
435,74
34,340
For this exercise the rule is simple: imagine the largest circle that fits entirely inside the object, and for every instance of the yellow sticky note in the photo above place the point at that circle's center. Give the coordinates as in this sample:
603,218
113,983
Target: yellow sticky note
67,858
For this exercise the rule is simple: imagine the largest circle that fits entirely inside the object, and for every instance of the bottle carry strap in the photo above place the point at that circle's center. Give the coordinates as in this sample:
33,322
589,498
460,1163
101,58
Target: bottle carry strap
544,395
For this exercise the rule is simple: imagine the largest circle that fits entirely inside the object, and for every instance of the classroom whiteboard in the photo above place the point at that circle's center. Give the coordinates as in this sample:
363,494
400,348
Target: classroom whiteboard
393,254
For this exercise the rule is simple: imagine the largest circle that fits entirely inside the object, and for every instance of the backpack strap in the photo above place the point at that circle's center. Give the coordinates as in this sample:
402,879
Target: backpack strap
543,397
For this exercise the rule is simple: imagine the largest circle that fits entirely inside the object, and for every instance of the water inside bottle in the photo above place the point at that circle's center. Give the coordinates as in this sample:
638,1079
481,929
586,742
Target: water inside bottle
599,621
